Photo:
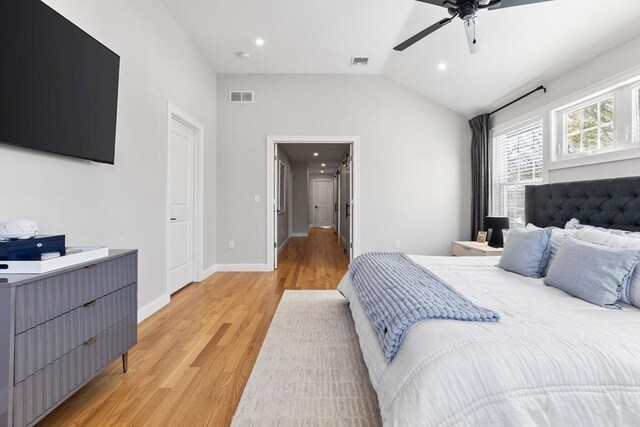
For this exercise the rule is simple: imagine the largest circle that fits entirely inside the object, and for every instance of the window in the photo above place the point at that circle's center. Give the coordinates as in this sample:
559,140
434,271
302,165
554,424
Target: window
600,123
589,128
517,161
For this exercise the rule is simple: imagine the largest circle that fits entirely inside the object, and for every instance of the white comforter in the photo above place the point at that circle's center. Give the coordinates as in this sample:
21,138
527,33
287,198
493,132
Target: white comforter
552,360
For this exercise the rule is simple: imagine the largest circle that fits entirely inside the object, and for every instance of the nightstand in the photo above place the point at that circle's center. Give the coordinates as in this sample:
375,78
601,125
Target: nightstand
474,249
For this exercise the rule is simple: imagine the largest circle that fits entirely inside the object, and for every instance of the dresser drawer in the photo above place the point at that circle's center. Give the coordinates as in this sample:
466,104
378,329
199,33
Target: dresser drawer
459,250
40,346
48,298
41,391
474,249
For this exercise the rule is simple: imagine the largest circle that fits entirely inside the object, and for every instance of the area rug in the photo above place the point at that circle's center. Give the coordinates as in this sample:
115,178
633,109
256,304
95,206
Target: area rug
309,371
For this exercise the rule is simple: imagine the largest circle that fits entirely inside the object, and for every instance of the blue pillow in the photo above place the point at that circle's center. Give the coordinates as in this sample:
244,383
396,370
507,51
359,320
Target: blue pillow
592,272
526,251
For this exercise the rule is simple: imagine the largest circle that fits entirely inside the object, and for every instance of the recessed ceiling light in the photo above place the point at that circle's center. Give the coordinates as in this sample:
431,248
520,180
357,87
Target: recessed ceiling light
323,165
442,66
315,154
243,55
322,171
259,42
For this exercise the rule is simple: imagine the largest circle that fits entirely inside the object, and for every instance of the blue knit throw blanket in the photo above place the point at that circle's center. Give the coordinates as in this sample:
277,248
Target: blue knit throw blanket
397,293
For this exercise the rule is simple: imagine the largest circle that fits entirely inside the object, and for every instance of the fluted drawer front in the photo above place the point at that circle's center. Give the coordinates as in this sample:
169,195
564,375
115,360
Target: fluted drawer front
48,298
40,346
39,392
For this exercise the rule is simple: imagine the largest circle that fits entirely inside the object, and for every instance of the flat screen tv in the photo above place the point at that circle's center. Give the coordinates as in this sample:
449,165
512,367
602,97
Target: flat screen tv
58,85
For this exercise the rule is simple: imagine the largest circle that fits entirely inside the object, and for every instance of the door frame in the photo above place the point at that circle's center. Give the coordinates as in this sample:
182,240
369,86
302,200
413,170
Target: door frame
313,196
174,112
272,140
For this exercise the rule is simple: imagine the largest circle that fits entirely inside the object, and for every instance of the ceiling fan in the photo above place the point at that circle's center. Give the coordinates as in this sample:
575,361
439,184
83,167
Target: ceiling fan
465,10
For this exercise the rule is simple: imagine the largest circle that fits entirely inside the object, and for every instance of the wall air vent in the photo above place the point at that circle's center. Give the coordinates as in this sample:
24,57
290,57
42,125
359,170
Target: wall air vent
359,61
240,97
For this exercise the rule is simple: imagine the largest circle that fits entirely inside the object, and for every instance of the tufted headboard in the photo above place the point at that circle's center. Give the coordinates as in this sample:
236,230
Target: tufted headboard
608,203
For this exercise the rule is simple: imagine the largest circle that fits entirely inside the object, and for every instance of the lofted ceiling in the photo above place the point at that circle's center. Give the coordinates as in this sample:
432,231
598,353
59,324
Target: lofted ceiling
526,44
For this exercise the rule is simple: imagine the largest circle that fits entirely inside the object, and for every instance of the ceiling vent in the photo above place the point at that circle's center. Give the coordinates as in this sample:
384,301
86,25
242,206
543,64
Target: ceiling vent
240,97
359,61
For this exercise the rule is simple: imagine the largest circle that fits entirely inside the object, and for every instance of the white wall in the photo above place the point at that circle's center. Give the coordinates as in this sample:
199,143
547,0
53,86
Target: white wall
598,69
415,160
123,206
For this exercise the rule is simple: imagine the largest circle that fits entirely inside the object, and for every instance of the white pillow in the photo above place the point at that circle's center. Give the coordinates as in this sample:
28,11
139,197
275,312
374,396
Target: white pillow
574,224
593,235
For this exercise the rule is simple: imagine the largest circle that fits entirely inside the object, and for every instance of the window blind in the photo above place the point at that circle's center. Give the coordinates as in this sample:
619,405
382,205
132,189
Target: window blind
517,161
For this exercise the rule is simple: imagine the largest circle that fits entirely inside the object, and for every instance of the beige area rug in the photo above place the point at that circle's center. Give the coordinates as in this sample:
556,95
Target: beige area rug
310,370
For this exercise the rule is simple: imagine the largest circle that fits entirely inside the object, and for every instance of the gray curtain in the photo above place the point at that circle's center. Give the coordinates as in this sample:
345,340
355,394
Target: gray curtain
480,170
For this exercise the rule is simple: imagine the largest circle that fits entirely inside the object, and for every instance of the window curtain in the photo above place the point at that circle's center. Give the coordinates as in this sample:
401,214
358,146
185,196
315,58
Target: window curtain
480,169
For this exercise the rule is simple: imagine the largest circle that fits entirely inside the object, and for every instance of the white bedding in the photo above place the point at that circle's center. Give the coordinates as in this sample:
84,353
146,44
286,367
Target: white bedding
552,360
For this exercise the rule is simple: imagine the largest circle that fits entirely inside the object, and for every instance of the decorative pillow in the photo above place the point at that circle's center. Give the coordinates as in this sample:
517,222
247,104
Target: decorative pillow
526,251
630,293
556,239
592,272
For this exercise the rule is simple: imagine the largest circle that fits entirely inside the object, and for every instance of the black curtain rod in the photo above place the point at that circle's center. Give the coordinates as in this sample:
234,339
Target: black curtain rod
523,96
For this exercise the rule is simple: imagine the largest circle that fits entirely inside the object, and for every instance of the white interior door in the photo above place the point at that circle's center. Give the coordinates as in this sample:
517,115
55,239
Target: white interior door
181,164
322,202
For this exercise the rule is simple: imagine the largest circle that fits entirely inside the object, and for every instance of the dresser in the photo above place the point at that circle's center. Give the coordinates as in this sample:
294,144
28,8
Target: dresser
58,330
474,249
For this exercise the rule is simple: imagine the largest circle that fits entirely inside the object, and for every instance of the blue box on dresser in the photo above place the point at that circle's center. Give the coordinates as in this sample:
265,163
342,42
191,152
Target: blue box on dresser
58,330
32,248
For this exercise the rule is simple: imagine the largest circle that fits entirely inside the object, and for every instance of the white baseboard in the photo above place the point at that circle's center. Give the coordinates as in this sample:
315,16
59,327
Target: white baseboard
300,234
209,271
153,306
283,245
242,267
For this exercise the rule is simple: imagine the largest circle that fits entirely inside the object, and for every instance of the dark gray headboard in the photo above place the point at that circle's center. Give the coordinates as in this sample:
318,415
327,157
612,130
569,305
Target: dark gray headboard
608,203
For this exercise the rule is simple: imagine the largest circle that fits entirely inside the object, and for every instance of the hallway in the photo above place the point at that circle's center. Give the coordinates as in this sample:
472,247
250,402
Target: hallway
314,262
194,356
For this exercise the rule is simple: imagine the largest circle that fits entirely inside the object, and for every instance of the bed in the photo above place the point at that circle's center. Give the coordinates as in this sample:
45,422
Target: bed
552,360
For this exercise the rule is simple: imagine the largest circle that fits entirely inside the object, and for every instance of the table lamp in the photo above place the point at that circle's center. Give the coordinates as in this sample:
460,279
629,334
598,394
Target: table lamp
496,224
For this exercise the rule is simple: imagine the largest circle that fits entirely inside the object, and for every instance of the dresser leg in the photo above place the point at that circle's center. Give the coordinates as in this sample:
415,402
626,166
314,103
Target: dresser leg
125,362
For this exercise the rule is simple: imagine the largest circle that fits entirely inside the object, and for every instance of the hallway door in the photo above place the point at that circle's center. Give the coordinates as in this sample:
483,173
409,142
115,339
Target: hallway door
181,164
322,202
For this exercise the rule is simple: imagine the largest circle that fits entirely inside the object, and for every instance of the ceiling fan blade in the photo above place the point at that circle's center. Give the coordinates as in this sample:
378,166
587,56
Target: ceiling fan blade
474,35
511,3
439,2
422,34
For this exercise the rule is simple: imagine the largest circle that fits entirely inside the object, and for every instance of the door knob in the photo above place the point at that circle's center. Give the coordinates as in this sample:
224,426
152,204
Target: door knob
316,207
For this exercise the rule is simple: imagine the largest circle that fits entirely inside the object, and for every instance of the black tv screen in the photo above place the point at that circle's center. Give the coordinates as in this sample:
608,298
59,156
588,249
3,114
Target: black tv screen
58,85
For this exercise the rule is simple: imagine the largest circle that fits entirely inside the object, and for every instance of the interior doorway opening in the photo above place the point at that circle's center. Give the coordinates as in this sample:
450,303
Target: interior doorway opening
311,184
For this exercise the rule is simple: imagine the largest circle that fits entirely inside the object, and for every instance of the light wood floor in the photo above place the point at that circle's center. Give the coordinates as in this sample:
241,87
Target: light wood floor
195,355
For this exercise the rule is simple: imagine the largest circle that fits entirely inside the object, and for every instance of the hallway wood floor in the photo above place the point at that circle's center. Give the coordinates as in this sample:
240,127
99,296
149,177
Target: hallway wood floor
195,355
